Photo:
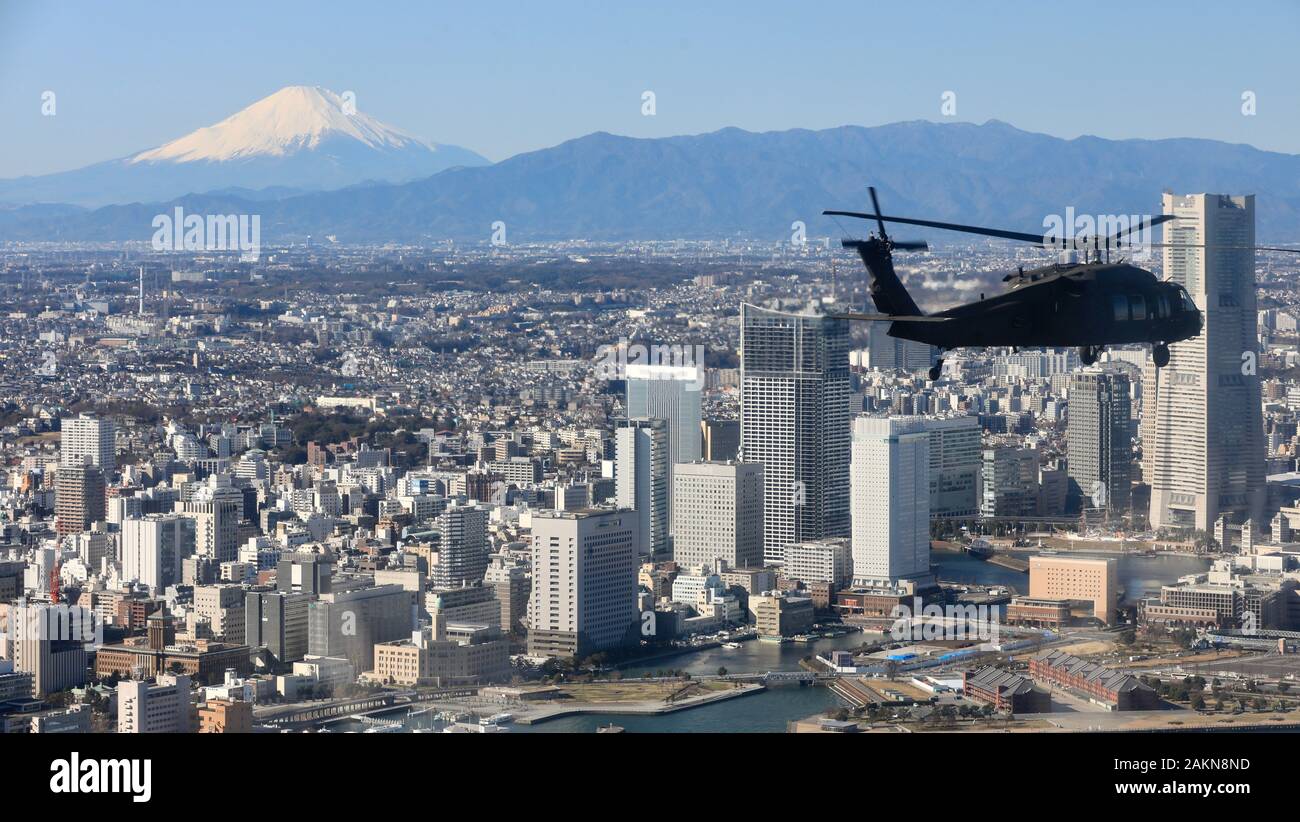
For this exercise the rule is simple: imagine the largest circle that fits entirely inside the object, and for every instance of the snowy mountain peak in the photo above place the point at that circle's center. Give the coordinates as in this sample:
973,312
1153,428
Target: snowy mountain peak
291,120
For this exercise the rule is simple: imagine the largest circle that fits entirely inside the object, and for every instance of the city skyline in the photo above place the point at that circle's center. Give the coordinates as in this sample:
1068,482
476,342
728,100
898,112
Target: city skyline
583,369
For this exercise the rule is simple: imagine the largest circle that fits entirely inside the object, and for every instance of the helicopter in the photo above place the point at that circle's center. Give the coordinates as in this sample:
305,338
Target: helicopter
1087,305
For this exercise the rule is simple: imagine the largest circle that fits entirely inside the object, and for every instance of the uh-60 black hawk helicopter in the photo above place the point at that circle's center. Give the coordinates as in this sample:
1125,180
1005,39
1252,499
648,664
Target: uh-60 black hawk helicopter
1089,305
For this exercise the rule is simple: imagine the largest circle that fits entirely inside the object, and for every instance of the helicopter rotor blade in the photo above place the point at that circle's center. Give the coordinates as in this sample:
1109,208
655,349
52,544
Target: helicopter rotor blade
1152,223
875,206
1036,239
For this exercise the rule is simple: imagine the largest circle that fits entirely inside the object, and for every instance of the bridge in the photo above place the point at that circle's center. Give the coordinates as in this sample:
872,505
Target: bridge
340,709
778,677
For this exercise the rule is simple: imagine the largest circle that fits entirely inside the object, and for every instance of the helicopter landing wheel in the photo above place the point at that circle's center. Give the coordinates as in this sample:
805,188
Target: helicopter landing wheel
1088,354
936,371
1160,354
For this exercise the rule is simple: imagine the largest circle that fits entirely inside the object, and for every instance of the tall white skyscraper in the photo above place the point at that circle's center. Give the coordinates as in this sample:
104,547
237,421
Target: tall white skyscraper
1204,451
890,500
795,421
584,582
670,393
88,438
720,514
641,479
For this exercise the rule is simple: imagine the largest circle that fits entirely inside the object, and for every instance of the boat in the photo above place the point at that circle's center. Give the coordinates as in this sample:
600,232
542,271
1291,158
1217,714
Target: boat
731,646
611,728
497,719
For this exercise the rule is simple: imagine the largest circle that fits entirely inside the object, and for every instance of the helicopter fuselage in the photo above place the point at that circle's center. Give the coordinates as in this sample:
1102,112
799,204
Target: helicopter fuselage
1087,304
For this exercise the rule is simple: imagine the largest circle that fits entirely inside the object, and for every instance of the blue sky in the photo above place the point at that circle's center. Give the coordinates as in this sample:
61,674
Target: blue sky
506,77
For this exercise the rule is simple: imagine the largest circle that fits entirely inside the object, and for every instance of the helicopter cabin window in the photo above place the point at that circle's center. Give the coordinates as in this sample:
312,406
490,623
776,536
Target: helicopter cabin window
1120,304
1137,307
1162,306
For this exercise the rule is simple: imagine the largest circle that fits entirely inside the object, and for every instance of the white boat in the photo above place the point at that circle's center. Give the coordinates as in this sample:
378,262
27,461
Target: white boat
731,646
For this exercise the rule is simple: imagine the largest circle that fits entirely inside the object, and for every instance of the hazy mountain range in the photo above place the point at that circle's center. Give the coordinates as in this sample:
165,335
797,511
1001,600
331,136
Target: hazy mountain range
728,183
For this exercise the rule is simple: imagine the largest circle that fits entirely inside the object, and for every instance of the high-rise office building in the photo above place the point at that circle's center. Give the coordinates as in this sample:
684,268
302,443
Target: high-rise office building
1098,442
890,500
153,547
720,440
641,480
277,622
1204,451
887,353
720,514
49,642
216,510
79,498
463,547
87,439
670,393
955,461
1009,482
508,579
584,583
348,621
795,422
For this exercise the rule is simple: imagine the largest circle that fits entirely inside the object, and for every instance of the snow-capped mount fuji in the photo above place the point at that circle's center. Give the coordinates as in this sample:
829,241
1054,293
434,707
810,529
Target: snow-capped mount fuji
302,138
294,119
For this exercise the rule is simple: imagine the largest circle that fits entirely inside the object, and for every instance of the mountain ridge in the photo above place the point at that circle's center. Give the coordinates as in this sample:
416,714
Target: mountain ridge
737,183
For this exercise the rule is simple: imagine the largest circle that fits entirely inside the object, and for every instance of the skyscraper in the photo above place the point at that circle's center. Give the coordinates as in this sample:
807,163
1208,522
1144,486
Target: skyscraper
721,440
584,582
1098,442
795,422
216,510
1204,455
79,498
720,511
670,393
955,461
463,547
88,439
884,352
890,500
641,480
1009,482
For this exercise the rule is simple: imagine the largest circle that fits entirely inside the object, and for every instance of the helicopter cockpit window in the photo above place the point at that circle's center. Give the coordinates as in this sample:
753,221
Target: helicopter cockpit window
1137,307
1186,300
1120,305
